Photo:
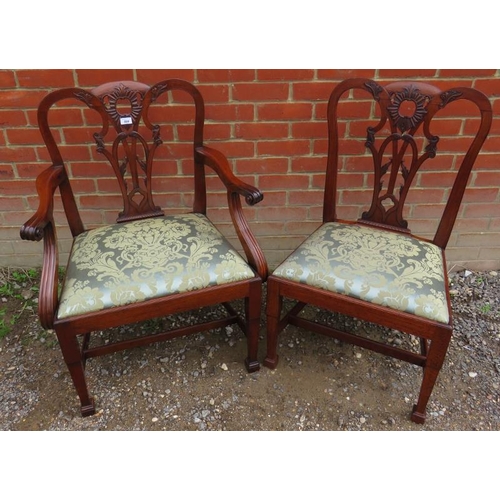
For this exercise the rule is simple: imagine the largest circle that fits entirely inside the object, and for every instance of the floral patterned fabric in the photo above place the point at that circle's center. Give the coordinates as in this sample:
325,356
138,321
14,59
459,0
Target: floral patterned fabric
390,269
136,261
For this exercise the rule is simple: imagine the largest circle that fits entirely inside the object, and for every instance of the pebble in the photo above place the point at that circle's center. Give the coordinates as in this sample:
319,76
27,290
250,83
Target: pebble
472,374
224,366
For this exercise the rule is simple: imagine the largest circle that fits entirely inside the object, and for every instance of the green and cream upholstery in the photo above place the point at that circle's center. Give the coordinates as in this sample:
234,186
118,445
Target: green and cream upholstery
140,260
387,268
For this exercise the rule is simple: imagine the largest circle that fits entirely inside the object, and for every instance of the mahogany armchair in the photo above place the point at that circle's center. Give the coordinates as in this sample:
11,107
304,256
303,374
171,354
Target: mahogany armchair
147,264
370,266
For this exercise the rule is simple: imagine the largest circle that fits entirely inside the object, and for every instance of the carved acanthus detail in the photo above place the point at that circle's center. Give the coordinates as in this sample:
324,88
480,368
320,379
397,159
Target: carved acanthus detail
400,119
448,96
123,93
374,88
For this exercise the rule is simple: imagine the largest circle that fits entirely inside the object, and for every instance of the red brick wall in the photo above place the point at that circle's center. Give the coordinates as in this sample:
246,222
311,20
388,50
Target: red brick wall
271,125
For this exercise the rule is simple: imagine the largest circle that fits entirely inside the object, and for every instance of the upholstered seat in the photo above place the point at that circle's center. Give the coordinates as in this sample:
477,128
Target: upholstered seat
365,261
125,263
151,263
382,267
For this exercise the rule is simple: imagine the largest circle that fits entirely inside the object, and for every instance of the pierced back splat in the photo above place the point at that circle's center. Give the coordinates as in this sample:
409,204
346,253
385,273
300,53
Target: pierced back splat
123,108
399,144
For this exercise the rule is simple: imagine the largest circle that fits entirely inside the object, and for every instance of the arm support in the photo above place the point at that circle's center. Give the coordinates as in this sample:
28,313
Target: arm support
46,184
236,188
41,226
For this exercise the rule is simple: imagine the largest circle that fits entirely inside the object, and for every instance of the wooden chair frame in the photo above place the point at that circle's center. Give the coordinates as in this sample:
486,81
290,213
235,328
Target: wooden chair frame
104,100
434,336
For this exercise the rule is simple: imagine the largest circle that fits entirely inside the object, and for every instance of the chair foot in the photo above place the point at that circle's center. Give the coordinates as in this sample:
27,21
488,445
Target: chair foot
252,366
418,418
88,410
271,363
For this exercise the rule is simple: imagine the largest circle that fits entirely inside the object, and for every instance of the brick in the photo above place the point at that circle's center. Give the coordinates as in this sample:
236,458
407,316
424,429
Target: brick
261,165
479,239
320,147
342,74
20,99
16,187
309,91
432,179
13,204
152,76
46,78
283,148
173,113
261,130
239,149
350,180
211,131
94,78
280,213
284,111
260,91
406,73
12,118
65,116
306,197
6,172
101,202
285,74
476,210
489,87
460,73
77,135
309,164
78,153
214,93
280,182
309,130
487,161
481,195
225,75
274,199
492,253
229,112
16,154
486,179
7,79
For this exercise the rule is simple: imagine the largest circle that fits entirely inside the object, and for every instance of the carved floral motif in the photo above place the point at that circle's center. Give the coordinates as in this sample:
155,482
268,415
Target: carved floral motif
402,121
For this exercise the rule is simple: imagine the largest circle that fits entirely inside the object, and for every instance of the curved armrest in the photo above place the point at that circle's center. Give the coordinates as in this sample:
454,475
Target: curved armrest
236,188
41,226
46,184
218,162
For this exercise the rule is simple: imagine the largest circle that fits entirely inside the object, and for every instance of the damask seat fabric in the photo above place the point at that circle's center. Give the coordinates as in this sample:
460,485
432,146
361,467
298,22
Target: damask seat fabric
381,267
140,260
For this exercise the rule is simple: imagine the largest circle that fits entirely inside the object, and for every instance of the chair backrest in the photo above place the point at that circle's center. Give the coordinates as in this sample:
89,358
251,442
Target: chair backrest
400,140
126,129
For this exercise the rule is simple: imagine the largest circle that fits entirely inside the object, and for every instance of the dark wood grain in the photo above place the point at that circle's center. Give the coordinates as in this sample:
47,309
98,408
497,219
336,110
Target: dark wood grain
395,156
121,132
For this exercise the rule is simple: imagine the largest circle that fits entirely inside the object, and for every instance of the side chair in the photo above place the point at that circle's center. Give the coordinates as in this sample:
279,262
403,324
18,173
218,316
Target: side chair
149,263
369,265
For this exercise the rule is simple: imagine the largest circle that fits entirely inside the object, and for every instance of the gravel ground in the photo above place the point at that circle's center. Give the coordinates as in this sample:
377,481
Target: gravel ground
199,382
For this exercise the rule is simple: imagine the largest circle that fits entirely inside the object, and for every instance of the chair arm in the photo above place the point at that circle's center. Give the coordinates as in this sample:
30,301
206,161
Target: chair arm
218,162
41,226
236,188
46,184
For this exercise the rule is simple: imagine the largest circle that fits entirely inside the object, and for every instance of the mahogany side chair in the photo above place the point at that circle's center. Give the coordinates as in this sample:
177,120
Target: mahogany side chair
149,264
368,265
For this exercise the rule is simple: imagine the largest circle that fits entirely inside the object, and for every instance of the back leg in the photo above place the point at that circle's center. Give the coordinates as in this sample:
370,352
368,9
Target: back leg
274,305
